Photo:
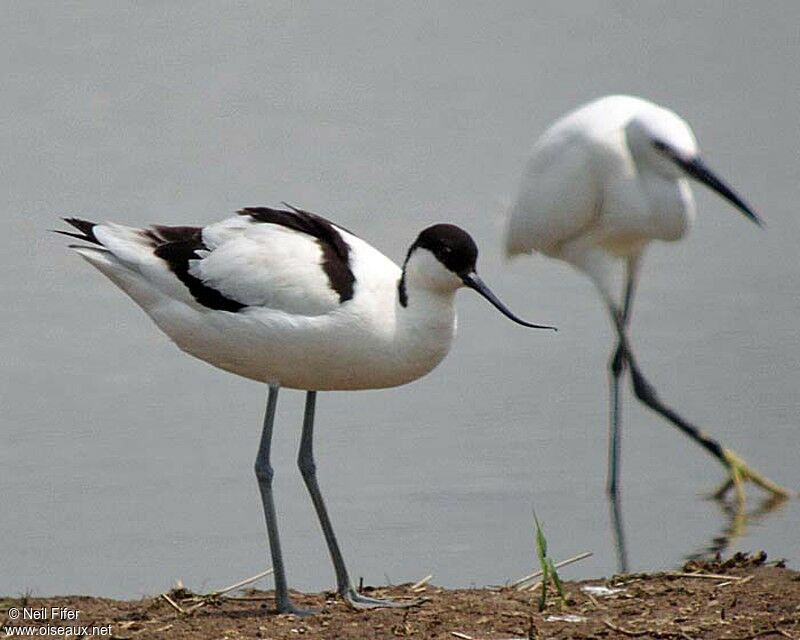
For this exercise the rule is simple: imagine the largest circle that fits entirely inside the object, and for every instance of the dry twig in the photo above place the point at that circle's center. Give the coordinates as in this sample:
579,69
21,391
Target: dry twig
707,576
645,632
521,584
173,604
420,585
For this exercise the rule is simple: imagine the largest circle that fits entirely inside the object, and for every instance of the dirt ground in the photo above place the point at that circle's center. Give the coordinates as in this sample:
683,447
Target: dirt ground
742,598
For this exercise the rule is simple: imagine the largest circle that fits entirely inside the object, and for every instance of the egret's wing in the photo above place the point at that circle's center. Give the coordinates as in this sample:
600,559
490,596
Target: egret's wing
559,196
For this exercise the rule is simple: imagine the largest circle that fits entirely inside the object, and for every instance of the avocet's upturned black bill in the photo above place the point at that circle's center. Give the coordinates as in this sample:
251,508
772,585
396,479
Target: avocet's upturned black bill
288,298
601,184
473,281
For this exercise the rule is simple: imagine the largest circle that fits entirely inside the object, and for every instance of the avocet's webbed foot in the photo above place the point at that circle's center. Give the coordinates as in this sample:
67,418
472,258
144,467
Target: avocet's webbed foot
290,608
357,601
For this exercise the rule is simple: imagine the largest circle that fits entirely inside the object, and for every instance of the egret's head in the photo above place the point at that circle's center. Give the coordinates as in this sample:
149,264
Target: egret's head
442,259
657,137
664,143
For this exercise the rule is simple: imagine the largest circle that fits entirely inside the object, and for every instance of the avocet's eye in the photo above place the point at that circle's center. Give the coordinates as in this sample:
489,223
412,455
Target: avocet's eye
660,145
447,250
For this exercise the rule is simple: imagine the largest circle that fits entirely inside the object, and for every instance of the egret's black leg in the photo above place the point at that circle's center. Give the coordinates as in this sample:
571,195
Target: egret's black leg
308,468
616,368
739,470
264,474
618,527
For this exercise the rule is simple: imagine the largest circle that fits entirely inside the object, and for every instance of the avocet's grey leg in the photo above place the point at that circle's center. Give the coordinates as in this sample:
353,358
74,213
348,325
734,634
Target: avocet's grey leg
305,460
264,474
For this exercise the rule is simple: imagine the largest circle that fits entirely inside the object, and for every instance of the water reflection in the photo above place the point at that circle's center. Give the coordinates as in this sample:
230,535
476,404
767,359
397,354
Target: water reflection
737,517
736,521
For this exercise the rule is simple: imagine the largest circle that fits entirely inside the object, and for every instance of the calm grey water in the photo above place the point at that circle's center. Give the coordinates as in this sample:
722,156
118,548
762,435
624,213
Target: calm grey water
125,464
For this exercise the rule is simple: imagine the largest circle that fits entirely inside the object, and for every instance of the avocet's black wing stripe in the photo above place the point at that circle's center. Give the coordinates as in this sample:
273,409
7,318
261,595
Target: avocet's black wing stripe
177,246
335,251
161,233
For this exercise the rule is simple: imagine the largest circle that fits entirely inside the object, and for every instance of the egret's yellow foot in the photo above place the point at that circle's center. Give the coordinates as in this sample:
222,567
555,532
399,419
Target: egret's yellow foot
740,473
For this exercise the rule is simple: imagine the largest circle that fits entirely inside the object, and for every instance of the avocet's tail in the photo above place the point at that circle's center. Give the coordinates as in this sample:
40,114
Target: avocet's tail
124,255
85,227
128,257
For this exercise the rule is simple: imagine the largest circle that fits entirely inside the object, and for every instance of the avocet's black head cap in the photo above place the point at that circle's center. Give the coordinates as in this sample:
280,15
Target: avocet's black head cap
451,245
457,251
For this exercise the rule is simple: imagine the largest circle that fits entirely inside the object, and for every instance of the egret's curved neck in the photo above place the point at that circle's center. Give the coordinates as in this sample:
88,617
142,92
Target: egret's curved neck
672,204
664,192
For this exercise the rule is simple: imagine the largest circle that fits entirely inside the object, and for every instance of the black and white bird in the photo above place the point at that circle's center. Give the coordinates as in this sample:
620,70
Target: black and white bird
290,299
602,183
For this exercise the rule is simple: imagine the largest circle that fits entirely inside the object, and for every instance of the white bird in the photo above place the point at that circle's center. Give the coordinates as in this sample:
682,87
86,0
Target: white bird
290,299
601,183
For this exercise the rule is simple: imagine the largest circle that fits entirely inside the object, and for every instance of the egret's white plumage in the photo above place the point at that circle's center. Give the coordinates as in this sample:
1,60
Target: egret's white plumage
291,299
601,183
596,189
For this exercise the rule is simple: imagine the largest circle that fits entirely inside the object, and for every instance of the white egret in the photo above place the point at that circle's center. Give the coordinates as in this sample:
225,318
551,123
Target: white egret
601,183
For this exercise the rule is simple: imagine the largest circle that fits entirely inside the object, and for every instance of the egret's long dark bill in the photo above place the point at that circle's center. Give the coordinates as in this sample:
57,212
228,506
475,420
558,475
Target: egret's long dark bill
474,282
698,170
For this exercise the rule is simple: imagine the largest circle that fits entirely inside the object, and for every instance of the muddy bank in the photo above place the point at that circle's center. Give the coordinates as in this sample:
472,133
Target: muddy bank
741,599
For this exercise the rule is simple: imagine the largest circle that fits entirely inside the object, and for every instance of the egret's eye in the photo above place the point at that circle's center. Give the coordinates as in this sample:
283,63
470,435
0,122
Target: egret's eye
660,145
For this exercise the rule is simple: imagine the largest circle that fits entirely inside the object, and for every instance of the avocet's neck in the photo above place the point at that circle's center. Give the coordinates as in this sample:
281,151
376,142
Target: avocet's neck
425,304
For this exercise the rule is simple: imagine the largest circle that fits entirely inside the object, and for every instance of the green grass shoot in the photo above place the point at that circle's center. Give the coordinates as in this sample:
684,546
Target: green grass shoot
549,571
